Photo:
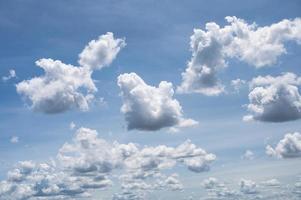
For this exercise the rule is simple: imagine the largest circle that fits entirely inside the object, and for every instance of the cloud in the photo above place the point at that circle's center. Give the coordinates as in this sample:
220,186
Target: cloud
288,147
89,163
63,86
274,99
101,52
12,74
248,187
14,139
72,126
237,84
150,108
257,46
248,155
272,183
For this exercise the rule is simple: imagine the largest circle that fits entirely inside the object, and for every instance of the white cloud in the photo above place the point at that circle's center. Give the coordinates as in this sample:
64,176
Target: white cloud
60,89
248,155
14,139
288,147
274,99
64,86
257,46
89,163
12,74
248,187
272,183
101,52
150,108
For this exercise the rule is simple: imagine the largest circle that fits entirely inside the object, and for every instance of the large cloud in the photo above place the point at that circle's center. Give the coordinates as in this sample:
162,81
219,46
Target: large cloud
150,108
64,86
288,147
275,99
257,46
88,163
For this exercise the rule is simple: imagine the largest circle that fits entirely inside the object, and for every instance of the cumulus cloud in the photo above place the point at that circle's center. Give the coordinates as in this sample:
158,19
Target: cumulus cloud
288,147
257,46
101,52
64,86
274,99
150,108
89,162
12,74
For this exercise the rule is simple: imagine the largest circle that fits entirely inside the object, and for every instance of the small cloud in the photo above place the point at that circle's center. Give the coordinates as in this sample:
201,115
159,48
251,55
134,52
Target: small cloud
12,74
248,155
72,125
14,139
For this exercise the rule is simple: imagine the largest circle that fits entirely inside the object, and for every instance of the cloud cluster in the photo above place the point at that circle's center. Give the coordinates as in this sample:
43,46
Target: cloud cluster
88,163
150,108
257,46
64,86
274,99
288,147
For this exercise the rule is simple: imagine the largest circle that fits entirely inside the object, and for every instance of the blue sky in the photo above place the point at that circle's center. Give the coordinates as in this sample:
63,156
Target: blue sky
157,36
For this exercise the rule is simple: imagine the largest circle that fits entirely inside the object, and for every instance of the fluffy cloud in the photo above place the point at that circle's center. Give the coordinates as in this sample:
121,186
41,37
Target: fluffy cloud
274,99
60,89
64,86
257,46
88,163
150,108
288,147
12,74
101,52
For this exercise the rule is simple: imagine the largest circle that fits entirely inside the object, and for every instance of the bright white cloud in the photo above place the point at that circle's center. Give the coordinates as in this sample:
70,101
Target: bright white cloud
64,86
12,74
257,46
150,108
59,89
101,52
275,99
288,147
89,163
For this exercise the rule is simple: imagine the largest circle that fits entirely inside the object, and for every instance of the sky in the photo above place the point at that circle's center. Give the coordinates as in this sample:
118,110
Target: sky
150,99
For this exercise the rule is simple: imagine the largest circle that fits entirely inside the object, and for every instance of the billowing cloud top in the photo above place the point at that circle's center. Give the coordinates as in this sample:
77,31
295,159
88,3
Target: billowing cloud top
288,147
150,108
89,161
101,52
64,86
257,46
275,99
